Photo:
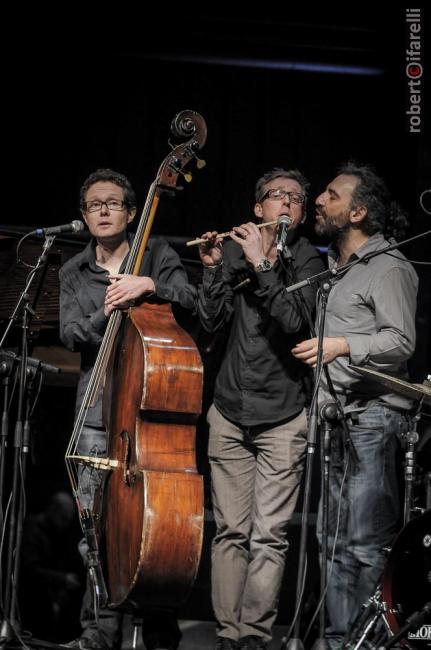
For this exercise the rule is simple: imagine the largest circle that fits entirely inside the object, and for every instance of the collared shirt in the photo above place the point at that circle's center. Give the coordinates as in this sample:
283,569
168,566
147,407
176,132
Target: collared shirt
259,381
373,306
82,294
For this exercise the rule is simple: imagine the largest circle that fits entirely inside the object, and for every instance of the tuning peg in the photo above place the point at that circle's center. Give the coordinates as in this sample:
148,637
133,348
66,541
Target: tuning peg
200,164
187,175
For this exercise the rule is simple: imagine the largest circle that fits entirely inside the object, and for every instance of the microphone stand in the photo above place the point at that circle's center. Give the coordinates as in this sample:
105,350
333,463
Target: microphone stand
329,414
9,626
295,642
7,366
23,301
286,255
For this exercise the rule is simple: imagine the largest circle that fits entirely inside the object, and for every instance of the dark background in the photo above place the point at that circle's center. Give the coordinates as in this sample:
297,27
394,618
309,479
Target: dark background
104,94
298,87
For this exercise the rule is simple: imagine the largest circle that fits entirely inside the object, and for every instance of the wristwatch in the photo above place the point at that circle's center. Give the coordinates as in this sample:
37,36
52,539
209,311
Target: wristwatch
263,266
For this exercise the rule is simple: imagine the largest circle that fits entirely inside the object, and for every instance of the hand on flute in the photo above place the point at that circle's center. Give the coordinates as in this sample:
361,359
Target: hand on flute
210,248
249,238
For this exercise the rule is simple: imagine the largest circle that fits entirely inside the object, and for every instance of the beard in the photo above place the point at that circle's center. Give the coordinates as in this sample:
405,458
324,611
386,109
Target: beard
331,228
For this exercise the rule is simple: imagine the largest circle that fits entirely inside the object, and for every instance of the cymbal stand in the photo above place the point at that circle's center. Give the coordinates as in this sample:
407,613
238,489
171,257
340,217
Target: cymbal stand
412,438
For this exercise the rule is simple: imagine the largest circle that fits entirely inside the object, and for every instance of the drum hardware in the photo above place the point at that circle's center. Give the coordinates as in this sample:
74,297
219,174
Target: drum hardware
421,393
414,623
373,610
400,610
411,438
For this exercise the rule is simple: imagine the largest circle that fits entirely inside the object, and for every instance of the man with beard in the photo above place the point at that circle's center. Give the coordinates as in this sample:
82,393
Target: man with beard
370,320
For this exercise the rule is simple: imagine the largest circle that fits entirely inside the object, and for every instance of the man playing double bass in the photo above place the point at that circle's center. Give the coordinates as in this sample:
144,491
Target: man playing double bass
92,285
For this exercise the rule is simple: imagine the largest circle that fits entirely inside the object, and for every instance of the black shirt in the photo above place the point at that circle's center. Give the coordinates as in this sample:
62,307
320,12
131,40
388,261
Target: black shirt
259,381
82,295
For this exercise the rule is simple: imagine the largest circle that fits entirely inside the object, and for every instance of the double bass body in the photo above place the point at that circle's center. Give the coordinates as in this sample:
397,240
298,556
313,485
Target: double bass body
151,525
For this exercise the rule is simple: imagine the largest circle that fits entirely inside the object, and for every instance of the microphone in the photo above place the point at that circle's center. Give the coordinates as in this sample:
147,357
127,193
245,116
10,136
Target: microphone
284,235
10,358
74,227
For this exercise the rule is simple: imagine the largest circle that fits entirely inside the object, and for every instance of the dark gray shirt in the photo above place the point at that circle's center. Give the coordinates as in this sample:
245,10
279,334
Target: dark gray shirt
82,294
259,381
373,305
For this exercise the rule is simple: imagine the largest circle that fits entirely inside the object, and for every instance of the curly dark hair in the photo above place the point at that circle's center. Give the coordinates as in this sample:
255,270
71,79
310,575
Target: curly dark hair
108,176
383,214
279,172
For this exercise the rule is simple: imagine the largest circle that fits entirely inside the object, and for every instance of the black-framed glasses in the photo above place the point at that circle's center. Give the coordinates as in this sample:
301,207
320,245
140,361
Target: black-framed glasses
276,194
112,204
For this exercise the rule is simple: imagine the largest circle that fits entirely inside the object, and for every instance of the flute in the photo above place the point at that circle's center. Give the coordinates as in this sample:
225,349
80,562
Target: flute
227,234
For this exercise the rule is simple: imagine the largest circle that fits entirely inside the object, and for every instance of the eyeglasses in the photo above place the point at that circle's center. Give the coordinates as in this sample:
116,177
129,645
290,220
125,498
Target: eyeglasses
276,194
112,204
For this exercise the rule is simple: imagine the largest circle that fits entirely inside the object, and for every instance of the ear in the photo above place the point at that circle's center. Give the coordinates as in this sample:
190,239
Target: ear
258,210
304,213
84,217
358,214
131,215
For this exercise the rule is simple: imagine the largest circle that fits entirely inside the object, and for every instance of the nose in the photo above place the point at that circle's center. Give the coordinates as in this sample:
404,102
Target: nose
320,199
104,207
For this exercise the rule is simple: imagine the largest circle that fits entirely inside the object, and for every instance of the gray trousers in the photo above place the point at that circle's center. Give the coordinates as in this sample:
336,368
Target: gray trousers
256,473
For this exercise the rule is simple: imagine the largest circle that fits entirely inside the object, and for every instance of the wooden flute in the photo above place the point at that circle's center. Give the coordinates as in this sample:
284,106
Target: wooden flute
194,242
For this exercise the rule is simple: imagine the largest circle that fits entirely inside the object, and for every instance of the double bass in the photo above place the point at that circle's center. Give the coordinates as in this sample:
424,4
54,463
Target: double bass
146,528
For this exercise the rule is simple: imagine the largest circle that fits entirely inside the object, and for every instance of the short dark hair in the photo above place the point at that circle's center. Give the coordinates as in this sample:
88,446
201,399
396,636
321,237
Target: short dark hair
383,214
108,176
279,172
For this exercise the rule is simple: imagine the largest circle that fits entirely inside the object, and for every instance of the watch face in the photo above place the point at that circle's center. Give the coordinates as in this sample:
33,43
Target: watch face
264,265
